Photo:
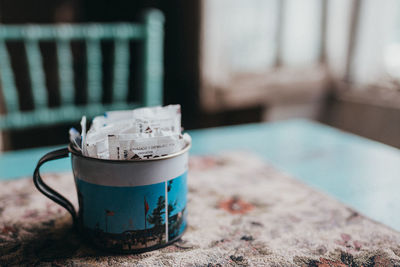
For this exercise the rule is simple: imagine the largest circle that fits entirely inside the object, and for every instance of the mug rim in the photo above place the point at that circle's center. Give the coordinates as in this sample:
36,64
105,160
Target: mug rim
73,151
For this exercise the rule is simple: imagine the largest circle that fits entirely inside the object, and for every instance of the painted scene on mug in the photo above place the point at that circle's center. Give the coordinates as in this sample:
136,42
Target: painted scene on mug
140,222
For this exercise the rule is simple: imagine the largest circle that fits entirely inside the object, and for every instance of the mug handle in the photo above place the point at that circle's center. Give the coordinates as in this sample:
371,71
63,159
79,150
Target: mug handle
46,190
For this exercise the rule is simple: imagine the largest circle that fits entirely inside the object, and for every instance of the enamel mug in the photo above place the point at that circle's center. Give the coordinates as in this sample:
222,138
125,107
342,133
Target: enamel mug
125,206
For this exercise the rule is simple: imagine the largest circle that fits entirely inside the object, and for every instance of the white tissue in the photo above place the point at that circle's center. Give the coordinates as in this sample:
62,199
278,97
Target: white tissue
136,134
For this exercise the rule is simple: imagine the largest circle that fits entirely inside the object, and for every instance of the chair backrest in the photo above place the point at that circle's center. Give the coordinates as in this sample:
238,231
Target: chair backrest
150,33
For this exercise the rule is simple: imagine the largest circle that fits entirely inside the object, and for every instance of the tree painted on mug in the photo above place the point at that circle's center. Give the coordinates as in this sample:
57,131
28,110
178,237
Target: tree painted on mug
156,218
170,185
174,221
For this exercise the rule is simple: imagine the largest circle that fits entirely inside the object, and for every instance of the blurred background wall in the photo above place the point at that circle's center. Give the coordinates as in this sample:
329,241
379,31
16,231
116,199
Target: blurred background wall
240,61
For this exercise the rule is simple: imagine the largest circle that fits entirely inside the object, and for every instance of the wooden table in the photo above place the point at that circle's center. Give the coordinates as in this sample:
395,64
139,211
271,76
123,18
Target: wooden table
359,172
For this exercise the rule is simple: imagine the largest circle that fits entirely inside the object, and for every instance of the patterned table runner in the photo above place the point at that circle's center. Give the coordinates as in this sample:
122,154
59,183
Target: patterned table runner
241,212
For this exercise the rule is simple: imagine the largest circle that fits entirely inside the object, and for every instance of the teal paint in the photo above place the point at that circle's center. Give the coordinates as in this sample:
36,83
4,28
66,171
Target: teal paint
149,33
10,93
94,69
35,68
153,58
121,70
65,72
359,172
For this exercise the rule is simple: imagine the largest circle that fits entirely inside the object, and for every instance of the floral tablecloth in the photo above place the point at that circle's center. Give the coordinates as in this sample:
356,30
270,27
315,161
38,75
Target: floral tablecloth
241,212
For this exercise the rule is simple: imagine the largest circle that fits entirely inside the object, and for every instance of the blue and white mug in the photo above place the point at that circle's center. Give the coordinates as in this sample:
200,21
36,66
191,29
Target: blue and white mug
125,206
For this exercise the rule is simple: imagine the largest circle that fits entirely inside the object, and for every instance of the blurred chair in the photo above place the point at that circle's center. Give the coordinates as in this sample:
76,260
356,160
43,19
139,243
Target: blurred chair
150,33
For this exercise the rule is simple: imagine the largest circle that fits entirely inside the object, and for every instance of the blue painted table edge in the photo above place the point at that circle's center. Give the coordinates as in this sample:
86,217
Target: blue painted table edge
26,159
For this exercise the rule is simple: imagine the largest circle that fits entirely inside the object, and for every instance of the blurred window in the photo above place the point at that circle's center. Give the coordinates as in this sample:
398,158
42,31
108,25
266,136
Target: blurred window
258,51
377,54
245,42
